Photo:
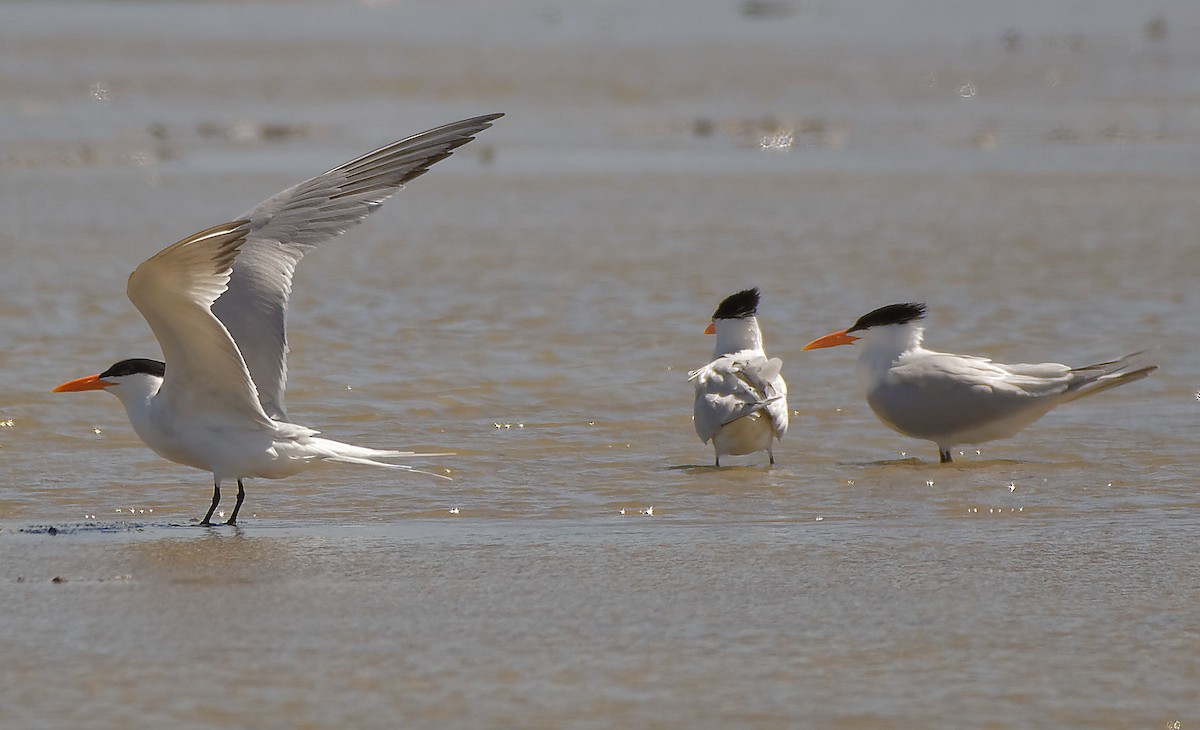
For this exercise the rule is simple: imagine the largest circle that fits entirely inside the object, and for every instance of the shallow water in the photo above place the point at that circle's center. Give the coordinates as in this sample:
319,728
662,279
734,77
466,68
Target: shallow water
534,304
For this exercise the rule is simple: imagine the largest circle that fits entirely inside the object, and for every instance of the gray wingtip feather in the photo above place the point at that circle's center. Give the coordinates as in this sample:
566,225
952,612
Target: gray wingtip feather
1104,376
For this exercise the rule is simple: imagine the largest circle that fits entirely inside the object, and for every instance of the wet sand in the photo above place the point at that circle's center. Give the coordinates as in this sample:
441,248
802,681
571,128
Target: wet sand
534,304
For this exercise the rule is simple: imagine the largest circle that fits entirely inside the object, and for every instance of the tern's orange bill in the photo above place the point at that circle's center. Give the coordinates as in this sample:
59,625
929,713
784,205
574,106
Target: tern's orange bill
833,339
711,329
91,382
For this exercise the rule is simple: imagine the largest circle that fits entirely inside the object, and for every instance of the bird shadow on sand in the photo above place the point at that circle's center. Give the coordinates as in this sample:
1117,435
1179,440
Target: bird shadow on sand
709,468
106,528
914,462
83,528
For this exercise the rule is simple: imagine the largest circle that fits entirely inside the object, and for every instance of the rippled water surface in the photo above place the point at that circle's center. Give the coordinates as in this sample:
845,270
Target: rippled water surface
534,303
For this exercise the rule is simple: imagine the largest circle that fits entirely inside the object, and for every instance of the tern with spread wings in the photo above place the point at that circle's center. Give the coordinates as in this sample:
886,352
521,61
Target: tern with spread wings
960,399
217,303
741,399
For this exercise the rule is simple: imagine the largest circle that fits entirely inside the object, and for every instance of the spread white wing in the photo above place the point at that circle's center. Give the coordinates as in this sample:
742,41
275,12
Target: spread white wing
288,225
736,385
174,290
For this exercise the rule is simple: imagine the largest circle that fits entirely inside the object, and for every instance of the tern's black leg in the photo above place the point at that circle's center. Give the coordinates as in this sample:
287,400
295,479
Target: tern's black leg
945,454
216,500
241,496
771,456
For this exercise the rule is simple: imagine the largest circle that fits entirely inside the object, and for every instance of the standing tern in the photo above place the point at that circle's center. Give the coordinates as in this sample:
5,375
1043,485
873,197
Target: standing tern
217,303
961,399
741,399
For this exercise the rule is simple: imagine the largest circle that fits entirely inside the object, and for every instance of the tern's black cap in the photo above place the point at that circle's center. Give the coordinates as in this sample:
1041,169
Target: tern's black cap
891,314
738,306
134,366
